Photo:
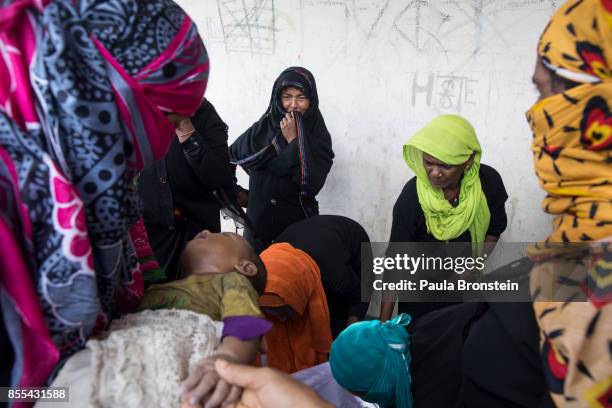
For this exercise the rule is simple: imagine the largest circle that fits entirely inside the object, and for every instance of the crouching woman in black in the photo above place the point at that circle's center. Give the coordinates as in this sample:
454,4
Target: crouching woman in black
335,243
453,198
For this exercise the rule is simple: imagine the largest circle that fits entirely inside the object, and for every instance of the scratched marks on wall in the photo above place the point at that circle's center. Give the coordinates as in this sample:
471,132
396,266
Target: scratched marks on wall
416,30
463,25
248,25
434,26
429,25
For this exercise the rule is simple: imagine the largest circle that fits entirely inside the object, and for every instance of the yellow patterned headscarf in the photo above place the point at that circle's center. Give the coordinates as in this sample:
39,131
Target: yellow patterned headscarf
572,141
572,148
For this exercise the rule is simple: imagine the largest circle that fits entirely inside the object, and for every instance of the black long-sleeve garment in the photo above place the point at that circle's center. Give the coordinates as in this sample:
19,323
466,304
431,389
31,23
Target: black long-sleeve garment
177,191
334,243
409,225
409,220
284,180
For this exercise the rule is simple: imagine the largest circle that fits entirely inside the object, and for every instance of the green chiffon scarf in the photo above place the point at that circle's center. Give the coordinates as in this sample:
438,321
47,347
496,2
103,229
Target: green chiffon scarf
451,139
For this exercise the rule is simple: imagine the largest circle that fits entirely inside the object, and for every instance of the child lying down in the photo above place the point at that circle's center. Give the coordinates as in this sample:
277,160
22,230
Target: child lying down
147,358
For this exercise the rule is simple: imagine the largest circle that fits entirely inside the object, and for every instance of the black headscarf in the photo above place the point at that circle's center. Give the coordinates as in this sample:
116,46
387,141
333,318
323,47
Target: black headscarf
302,79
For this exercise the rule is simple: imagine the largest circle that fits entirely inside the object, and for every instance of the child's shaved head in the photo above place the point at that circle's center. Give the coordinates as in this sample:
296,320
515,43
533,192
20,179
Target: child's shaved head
223,253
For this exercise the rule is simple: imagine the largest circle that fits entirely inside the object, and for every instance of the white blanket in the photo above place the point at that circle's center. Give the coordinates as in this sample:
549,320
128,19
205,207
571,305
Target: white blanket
140,361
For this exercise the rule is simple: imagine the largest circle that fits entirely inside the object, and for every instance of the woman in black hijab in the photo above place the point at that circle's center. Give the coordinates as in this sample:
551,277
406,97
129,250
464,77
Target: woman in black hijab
287,154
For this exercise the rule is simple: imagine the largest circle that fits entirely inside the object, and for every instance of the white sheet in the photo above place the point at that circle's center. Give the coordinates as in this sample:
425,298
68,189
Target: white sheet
320,379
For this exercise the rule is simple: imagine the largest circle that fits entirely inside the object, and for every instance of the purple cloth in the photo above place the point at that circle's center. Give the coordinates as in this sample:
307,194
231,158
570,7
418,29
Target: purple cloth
245,327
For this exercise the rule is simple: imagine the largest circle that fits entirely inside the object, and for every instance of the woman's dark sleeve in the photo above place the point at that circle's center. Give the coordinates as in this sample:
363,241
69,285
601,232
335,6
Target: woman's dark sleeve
345,282
362,257
251,151
403,225
319,159
496,199
322,159
206,150
287,159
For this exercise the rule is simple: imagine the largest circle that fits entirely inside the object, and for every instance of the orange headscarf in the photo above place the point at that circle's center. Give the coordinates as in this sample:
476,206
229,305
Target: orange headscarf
294,280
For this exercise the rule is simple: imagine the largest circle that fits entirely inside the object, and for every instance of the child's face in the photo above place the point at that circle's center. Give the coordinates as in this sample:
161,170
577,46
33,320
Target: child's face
228,243
224,249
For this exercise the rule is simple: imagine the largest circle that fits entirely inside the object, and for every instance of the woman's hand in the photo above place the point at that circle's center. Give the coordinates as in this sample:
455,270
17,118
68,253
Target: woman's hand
205,384
184,129
267,388
288,129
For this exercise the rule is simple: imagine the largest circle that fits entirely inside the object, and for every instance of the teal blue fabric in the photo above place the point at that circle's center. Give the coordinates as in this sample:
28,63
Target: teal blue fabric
373,359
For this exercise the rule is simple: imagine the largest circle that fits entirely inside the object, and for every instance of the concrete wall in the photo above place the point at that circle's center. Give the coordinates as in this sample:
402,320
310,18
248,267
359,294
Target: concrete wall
383,69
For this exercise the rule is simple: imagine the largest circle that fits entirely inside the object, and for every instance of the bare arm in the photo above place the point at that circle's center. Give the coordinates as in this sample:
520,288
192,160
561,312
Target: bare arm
489,244
386,307
240,351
